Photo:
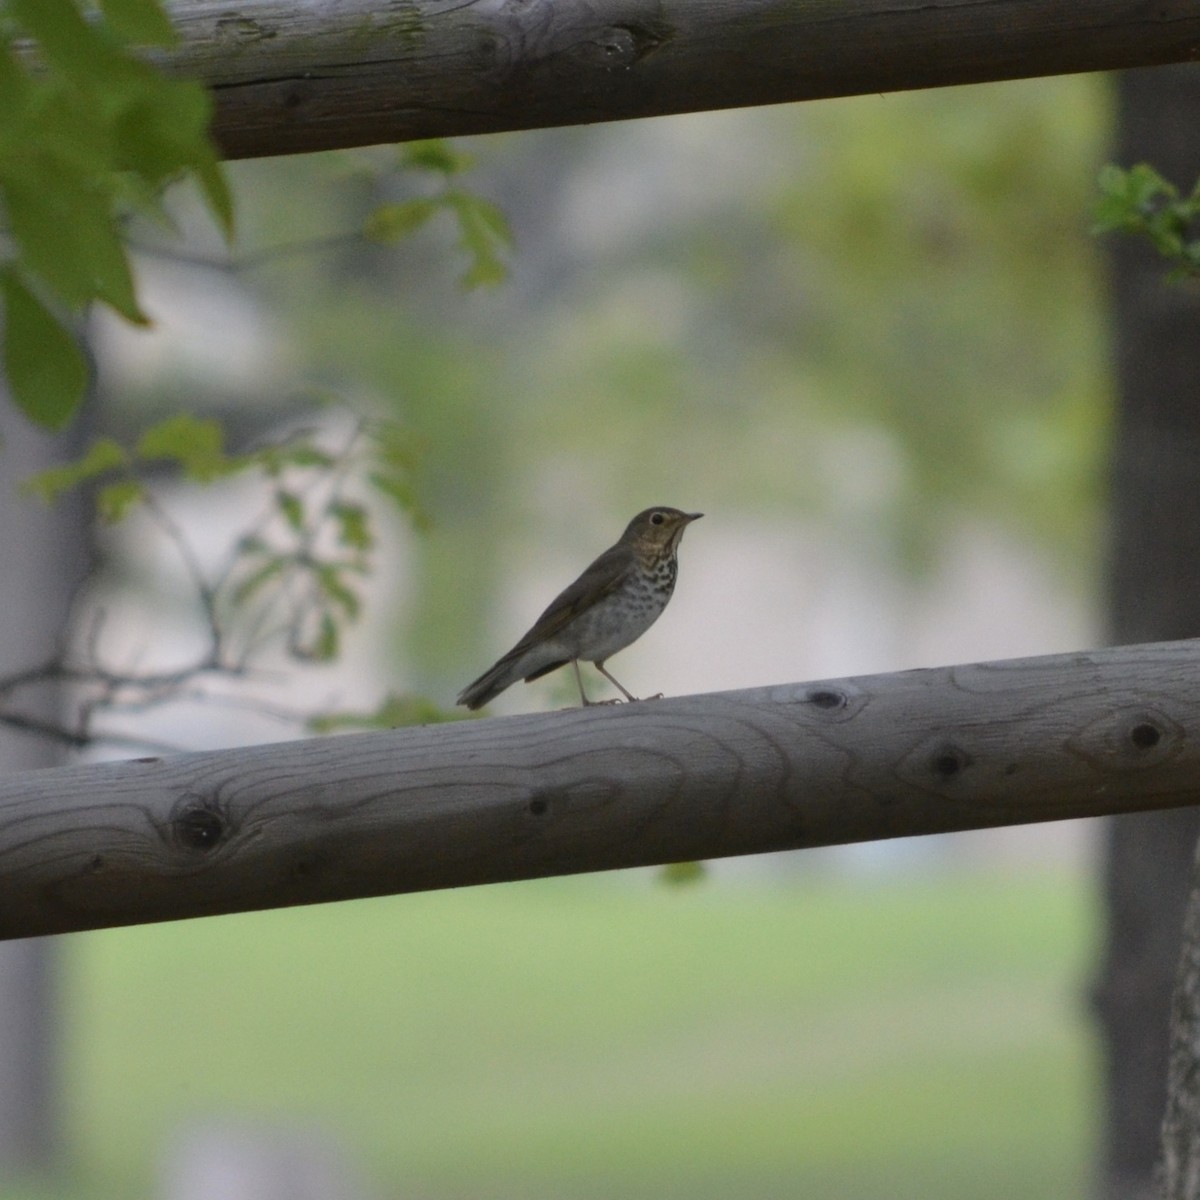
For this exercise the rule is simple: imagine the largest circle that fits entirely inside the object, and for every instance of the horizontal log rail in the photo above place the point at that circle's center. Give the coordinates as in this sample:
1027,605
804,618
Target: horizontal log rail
299,75
693,777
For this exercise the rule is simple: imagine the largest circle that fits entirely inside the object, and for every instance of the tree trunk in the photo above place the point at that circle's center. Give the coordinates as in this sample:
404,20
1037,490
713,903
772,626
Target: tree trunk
1181,1124
42,552
1155,594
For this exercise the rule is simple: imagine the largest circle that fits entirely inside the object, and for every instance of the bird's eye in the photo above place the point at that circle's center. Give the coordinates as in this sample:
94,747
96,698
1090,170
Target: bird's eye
656,518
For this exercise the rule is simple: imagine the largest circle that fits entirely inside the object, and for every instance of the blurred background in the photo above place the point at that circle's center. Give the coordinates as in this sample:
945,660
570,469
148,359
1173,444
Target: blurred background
869,339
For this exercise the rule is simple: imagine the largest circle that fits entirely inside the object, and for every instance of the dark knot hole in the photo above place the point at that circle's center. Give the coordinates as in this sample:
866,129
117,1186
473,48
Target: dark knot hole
949,762
199,828
1144,735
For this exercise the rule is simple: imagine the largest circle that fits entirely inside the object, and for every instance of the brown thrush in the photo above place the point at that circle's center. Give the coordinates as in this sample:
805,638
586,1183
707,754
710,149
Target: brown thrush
608,607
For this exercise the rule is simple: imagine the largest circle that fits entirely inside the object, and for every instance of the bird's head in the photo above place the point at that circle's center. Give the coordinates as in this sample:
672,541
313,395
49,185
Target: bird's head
658,530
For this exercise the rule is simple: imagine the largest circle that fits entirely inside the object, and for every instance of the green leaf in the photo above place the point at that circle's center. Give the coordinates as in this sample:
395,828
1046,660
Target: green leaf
102,456
298,453
683,873
394,445
395,486
329,578
353,525
214,187
45,367
62,35
254,583
1167,240
198,446
1111,179
324,647
67,137
1144,184
483,233
114,500
142,22
160,126
292,509
16,89
435,154
1140,201
95,98
66,236
390,222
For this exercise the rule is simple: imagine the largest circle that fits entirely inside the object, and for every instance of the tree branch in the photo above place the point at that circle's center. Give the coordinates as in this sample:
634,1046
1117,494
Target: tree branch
591,789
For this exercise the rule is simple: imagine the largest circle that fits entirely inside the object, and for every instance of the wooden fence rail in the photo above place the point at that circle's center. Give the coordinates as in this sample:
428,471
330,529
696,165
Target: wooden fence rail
694,777
296,75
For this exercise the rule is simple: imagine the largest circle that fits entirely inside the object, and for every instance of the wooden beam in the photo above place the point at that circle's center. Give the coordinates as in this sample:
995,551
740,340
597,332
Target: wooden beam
694,777
298,75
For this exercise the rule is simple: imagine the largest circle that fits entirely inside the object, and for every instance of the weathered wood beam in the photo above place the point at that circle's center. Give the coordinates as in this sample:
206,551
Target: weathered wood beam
696,777
297,75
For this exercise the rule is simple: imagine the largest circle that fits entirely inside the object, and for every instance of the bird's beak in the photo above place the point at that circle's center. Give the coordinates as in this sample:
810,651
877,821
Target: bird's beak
693,517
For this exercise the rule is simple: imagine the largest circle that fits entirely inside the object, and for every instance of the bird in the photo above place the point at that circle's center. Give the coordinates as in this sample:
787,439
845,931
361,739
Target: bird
616,599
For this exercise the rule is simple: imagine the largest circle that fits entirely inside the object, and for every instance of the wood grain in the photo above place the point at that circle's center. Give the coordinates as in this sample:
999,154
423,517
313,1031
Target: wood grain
694,777
299,75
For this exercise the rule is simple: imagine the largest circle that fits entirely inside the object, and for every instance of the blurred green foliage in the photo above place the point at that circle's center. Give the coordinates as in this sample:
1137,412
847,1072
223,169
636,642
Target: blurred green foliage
1140,201
884,312
297,568
483,231
89,133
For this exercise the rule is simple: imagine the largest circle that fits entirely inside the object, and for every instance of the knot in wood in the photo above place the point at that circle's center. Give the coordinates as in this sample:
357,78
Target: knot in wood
198,825
1132,740
541,802
617,48
826,698
949,762
1145,735
242,29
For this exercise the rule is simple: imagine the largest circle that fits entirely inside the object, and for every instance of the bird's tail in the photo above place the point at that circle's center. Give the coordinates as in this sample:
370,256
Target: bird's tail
490,684
521,662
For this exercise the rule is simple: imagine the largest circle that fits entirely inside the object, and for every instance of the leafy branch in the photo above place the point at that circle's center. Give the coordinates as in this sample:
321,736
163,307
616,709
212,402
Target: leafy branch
483,231
90,133
484,236
291,581
1141,202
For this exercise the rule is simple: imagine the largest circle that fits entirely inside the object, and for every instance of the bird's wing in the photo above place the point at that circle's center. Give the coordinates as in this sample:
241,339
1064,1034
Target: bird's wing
604,576
608,572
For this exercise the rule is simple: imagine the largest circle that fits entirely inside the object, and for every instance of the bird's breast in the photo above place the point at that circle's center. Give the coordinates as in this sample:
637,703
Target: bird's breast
621,617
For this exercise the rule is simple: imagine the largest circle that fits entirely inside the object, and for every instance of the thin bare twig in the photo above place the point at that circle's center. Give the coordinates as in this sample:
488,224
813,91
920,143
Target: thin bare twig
255,259
94,688
205,591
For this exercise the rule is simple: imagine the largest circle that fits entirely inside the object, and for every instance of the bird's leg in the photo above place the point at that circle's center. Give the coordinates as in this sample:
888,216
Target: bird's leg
579,680
583,695
628,696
